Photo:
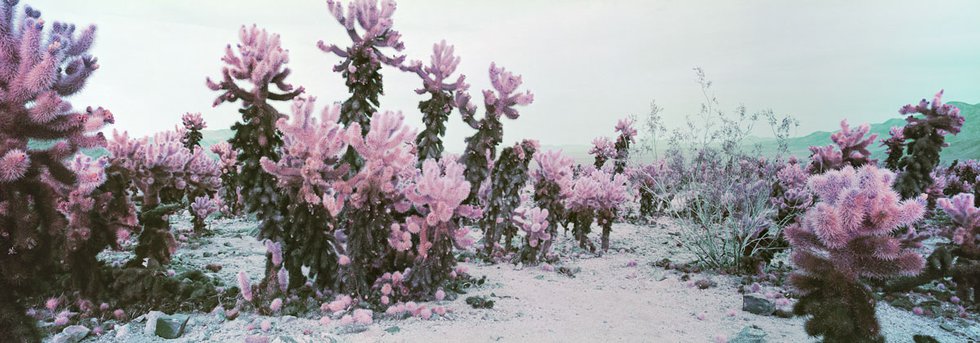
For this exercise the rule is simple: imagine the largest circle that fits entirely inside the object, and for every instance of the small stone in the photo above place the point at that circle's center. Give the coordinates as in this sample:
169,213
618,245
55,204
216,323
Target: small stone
903,302
151,322
171,327
782,313
705,283
749,334
122,331
71,334
214,267
924,339
757,305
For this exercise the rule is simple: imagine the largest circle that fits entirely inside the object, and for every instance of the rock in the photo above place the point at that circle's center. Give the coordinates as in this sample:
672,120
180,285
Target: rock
783,313
171,327
705,283
903,302
749,334
924,339
71,334
122,331
214,267
151,322
757,305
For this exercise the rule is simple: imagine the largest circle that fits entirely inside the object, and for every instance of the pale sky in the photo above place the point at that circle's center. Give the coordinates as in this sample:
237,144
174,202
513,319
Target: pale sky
588,63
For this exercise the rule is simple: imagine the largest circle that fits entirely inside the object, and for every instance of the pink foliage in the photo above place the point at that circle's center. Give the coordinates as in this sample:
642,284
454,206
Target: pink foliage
852,223
851,149
966,216
376,32
260,61
534,223
193,121
388,158
442,64
204,206
311,147
438,193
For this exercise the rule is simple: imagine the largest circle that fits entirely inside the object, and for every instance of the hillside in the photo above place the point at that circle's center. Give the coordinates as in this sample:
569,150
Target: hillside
965,145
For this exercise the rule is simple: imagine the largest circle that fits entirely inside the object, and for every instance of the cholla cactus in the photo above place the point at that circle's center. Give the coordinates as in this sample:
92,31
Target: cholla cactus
481,147
306,173
627,134
595,196
99,215
510,174
260,61
153,165
847,236
966,215
554,173
193,124
534,223
895,145
436,110
603,150
362,60
37,70
201,208
373,193
851,150
790,195
928,135
230,191
437,194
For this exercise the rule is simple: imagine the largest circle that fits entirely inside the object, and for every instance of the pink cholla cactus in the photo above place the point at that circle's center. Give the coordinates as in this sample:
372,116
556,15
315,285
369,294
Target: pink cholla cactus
504,99
966,216
193,121
602,150
153,165
625,128
204,206
376,26
245,285
852,149
442,64
438,193
227,156
553,166
311,148
845,237
852,224
260,61
388,158
534,223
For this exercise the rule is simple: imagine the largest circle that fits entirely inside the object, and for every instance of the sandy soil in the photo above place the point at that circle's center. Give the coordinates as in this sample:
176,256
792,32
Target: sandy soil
606,301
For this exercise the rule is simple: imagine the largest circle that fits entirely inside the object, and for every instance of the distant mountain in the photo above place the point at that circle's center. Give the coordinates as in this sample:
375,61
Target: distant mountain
965,145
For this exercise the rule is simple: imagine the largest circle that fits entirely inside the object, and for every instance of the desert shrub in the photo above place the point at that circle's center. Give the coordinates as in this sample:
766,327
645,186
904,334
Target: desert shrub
845,237
927,127
534,223
718,191
851,149
261,62
306,173
481,147
436,110
552,175
510,175
362,61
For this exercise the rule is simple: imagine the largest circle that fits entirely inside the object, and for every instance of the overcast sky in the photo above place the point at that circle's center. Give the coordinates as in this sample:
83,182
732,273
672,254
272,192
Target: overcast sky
588,63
